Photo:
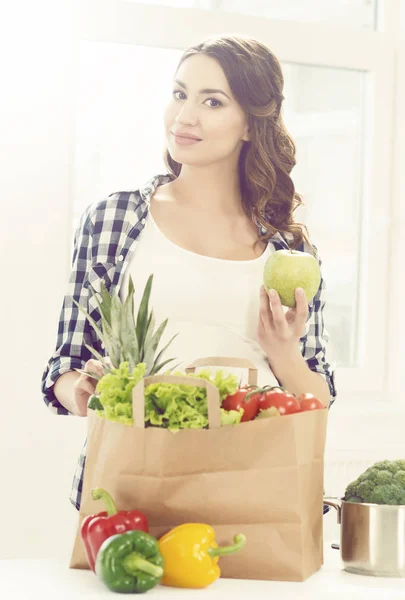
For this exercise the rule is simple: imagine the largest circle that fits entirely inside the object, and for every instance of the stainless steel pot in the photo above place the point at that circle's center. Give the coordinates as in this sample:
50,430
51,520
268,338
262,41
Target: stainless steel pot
372,538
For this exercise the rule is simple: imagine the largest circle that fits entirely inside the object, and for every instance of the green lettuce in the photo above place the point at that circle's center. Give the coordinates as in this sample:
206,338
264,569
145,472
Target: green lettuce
226,384
167,405
231,417
115,392
176,406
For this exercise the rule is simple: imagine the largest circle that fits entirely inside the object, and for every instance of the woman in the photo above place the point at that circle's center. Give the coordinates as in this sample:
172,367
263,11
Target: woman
205,231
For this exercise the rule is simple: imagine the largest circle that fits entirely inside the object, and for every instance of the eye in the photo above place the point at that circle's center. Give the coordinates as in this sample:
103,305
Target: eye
177,93
216,103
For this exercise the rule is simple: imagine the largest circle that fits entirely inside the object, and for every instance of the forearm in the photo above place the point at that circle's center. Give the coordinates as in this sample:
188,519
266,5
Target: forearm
64,391
294,375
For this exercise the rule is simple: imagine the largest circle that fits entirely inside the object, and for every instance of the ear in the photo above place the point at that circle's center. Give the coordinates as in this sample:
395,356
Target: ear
246,134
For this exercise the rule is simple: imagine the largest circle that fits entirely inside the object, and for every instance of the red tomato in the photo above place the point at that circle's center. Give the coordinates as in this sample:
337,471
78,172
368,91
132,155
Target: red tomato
309,402
286,403
238,400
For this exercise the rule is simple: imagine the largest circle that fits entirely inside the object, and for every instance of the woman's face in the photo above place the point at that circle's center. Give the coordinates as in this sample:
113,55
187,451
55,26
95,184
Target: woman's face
202,106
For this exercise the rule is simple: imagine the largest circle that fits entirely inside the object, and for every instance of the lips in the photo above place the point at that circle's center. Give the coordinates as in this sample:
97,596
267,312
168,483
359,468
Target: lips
186,136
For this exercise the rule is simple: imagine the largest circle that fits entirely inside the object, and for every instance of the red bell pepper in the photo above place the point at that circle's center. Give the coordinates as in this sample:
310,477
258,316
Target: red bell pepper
95,529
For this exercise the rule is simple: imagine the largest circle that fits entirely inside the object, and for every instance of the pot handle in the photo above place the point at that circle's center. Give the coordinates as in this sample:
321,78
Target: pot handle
337,504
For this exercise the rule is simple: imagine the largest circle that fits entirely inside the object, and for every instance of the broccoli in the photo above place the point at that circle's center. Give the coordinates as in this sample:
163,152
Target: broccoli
382,483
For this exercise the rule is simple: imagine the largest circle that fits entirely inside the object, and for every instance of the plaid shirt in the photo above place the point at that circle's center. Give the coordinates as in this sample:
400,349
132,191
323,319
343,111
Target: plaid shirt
103,244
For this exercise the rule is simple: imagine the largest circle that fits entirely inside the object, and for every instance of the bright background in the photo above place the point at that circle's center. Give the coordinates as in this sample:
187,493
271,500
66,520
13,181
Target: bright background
84,86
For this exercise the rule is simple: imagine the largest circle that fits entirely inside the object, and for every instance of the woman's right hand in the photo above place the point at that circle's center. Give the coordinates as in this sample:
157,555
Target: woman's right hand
85,386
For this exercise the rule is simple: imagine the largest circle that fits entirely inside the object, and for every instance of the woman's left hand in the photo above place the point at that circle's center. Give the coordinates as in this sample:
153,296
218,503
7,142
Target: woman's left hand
279,332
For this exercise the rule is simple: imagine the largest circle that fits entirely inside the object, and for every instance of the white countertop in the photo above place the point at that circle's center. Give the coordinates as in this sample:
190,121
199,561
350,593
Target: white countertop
52,579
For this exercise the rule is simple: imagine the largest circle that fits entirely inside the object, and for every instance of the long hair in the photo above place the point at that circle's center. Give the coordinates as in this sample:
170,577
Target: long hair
265,163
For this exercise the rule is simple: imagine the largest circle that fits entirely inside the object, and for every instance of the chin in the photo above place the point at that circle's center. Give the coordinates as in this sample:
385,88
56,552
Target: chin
189,158
184,157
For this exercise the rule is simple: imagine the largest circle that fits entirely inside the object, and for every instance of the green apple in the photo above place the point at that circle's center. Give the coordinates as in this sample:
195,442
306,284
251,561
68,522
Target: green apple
286,270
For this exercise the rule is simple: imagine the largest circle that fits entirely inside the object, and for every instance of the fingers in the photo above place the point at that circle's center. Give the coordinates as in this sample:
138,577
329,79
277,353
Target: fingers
301,311
95,366
265,312
278,317
85,384
272,315
261,330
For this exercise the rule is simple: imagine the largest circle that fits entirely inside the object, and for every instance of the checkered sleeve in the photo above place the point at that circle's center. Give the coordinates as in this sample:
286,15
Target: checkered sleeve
74,330
315,339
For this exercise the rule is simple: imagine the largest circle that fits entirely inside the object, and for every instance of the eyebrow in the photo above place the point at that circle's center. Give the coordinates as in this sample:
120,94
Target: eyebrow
205,90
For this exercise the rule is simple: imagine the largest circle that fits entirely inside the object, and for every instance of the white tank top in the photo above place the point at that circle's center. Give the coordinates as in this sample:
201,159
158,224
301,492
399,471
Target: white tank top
212,303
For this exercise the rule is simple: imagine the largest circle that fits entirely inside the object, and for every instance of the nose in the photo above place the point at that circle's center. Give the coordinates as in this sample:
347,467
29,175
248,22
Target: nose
187,115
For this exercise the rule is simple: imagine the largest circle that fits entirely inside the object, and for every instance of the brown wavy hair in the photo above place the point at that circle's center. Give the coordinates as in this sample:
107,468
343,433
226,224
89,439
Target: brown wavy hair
266,161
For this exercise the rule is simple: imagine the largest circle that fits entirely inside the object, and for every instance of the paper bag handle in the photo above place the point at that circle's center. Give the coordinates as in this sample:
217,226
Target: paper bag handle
213,400
222,361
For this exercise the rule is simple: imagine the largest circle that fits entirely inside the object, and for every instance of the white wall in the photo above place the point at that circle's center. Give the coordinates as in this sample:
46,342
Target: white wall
38,451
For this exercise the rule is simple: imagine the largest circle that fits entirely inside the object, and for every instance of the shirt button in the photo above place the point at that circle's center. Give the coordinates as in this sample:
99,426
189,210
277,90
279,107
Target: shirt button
120,258
143,221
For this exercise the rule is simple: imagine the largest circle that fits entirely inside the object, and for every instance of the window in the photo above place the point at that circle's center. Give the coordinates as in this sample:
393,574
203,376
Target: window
120,143
350,13
357,14
327,127
177,3
337,109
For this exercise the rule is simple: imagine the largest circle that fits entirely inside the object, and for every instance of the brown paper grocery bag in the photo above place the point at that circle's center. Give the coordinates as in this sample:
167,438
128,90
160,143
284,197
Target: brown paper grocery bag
263,478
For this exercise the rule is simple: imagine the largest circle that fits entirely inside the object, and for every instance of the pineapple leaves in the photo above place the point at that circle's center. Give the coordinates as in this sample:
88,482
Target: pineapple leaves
131,291
142,318
165,362
148,353
99,357
89,373
92,321
156,366
127,338
105,304
94,352
159,356
116,315
152,342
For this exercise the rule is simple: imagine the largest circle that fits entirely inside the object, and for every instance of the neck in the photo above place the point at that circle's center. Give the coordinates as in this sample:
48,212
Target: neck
214,188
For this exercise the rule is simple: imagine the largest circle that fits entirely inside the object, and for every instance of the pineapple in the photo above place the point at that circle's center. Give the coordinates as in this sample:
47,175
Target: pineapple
126,338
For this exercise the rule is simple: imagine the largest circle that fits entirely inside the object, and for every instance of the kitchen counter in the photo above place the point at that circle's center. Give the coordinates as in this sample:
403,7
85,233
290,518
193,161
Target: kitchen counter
52,579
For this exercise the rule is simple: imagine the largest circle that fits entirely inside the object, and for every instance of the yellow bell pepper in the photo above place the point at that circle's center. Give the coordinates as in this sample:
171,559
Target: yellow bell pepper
191,555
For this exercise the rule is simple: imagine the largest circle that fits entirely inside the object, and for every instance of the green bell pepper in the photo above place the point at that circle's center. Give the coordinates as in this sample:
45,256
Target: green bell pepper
130,562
